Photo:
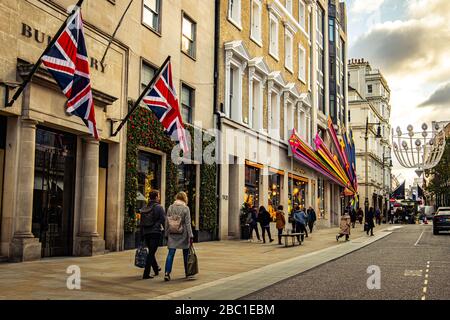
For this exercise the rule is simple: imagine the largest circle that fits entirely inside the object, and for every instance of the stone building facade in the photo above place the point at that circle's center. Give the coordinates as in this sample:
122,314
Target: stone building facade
272,77
63,193
369,99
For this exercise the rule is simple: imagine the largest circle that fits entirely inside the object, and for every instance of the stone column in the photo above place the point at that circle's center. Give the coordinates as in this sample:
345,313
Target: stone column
24,246
88,242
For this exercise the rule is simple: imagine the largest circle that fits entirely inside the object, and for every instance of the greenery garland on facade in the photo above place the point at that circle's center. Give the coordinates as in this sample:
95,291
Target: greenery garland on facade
145,130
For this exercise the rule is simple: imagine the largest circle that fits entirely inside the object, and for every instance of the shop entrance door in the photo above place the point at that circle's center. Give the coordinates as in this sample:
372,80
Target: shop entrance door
53,197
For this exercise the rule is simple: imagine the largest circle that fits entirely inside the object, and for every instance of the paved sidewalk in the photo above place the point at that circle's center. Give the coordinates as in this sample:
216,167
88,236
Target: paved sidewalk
113,276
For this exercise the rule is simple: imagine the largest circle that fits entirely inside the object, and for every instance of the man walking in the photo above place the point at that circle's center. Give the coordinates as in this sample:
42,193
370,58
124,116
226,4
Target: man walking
153,217
378,216
311,218
300,222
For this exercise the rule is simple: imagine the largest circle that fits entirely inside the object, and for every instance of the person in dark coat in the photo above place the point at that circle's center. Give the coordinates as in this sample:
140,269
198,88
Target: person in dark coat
360,215
378,216
353,217
264,220
300,220
311,218
254,223
369,220
153,219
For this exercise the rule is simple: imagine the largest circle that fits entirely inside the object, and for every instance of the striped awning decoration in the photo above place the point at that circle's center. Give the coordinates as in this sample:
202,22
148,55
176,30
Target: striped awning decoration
337,165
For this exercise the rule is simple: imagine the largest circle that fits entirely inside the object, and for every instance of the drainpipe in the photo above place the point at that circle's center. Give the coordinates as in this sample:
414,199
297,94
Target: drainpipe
216,107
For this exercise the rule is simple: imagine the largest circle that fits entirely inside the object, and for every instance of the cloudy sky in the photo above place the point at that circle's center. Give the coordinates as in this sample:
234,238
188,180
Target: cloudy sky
409,41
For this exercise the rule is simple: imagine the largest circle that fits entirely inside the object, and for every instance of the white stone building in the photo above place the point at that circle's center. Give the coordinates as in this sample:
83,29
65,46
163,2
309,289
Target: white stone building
369,99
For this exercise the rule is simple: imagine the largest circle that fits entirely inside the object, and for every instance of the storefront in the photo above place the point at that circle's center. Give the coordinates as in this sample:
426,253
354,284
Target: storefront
2,162
252,183
275,188
298,187
53,192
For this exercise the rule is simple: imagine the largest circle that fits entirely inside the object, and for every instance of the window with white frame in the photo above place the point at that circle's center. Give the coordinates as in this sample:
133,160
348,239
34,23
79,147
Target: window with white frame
273,48
256,20
188,39
151,15
302,14
256,104
302,64
234,11
289,51
320,58
290,119
275,113
289,6
234,94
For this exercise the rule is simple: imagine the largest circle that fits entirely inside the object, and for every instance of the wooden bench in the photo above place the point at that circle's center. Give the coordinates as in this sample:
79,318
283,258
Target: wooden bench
294,237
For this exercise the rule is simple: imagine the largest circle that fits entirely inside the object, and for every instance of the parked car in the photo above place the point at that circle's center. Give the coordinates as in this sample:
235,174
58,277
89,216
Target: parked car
441,220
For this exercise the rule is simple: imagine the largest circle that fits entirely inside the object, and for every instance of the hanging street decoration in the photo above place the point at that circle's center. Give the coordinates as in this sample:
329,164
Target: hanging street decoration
338,165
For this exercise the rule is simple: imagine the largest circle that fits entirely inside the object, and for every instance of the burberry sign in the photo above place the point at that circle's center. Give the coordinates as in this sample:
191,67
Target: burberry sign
40,37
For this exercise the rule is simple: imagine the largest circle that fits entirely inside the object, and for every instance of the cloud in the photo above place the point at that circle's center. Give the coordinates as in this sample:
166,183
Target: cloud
439,98
416,47
366,6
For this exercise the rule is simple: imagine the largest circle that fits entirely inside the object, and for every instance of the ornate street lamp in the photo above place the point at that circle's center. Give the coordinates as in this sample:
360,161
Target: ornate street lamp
420,150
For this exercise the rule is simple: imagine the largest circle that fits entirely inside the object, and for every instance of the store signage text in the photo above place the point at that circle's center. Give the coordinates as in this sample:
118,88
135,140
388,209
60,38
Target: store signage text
41,37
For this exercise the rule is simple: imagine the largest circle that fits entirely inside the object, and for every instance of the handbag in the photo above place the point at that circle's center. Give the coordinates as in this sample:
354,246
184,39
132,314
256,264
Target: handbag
192,262
140,258
366,226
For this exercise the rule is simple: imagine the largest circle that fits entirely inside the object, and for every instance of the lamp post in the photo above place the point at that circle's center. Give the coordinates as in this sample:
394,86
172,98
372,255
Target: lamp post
384,184
366,138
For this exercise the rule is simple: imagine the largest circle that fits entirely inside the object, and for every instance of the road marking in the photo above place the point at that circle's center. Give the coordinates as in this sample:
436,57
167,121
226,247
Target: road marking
425,282
420,237
426,276
424,289
413,273
428,270
423,298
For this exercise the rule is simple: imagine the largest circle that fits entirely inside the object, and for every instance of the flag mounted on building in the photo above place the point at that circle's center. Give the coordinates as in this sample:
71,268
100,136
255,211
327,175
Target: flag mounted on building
161,98
68,63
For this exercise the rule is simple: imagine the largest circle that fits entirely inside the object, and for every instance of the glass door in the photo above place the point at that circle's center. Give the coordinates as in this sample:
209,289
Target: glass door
54,182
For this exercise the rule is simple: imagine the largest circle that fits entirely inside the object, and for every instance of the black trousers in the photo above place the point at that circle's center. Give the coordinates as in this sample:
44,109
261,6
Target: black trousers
264,230
280,232
152,242
254,227
311,226
299,228
370,228
341,235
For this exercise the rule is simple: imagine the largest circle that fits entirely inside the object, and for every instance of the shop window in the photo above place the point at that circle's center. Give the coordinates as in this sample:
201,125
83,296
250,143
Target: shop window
187,178
274,193
252,176
149,176
297,193
321,197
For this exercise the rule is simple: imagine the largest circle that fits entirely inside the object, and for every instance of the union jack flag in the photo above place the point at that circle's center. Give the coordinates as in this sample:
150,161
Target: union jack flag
162,100
67,61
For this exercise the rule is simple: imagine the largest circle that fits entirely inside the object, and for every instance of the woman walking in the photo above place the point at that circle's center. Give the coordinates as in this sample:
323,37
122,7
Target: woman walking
264,220
345,227
300,222
311,218
178,232
281,222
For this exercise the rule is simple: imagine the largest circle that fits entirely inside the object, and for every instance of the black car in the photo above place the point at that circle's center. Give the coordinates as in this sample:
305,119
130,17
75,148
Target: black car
441,220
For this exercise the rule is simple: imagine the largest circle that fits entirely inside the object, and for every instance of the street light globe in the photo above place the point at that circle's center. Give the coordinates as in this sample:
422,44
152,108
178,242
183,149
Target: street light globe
431,142
424,134
418,143
399,131
405,145
424,127
410,127
436,127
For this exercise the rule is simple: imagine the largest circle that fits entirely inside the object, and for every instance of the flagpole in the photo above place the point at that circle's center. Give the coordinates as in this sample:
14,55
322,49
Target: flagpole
143,93
38,63
115,31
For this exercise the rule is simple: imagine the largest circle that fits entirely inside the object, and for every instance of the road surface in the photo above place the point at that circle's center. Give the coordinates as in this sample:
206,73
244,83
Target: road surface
413,263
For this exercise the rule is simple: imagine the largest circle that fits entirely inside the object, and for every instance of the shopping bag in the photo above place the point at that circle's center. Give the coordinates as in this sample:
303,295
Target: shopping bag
192,263
140,258
366,226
